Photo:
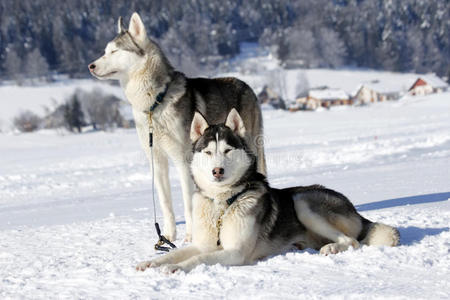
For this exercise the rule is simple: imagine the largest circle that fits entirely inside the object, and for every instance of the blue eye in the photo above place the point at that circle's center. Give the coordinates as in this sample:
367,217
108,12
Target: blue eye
208,152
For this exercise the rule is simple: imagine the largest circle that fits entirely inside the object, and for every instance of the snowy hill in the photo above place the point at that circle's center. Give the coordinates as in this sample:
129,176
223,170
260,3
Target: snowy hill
75,210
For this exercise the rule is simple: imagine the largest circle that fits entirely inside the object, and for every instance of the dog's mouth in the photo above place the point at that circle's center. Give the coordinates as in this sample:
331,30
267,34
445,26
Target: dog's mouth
103,75
220,180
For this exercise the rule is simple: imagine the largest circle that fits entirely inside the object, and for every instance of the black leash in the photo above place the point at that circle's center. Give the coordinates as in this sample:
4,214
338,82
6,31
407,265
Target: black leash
162,239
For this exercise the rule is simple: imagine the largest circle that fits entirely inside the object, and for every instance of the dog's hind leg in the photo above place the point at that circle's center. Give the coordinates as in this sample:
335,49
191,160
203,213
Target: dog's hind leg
161,168
321,226
258,134
255,138
187,187
261,157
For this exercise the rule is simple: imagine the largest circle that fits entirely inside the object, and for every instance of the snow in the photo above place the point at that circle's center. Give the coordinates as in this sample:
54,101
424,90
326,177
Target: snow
76,214
434,81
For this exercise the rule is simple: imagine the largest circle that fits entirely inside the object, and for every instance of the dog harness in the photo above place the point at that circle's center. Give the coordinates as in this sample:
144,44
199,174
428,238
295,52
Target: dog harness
229,202
162,239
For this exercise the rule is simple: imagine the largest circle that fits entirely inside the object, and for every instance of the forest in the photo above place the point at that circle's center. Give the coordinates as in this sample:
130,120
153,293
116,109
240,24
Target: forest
49,37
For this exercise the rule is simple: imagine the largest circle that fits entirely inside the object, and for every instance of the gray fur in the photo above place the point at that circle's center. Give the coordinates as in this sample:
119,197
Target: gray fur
126,42
120,25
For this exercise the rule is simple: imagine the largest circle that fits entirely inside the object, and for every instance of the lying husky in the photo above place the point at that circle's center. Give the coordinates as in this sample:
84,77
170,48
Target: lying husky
151,84
239,218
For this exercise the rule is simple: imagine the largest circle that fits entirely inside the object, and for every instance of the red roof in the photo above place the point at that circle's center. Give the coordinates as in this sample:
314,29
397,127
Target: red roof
418,82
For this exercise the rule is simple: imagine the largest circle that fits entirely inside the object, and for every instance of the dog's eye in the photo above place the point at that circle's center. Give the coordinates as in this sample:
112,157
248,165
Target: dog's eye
208,152
226,151
114,51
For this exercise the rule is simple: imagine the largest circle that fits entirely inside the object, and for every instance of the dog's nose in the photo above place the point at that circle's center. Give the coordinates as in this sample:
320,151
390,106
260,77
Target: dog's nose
218,172
91,67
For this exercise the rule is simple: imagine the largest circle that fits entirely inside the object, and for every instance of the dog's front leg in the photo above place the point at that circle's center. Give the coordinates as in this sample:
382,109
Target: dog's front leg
230,257
187,187
173,257
238,238
161,167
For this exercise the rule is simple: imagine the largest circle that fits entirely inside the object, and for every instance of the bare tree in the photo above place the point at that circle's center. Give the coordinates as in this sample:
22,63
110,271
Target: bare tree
276,80
27,121
101,111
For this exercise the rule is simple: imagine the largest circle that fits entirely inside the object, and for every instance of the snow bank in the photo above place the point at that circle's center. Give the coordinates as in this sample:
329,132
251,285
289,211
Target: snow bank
76,215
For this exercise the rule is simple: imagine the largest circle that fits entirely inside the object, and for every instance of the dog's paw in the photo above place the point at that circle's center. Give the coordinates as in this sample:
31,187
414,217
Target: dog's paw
334,248
329,249
170,268
145,265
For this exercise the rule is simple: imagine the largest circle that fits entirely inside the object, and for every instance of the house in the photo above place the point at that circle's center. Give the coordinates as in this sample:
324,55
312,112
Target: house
375,91
304,102
330,97
428,84
321,97
268,96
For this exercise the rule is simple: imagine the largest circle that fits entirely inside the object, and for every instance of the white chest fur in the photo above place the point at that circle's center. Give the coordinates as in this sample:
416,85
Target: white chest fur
169,136
237,221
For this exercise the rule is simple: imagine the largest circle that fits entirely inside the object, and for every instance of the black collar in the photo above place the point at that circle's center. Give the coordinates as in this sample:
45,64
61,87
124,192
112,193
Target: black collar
234,197
159,99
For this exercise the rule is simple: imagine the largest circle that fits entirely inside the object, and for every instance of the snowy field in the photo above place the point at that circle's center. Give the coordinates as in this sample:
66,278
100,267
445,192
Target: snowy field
76,215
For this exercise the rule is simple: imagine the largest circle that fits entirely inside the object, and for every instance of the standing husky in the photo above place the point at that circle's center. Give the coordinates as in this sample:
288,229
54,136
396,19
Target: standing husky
151,84
239,219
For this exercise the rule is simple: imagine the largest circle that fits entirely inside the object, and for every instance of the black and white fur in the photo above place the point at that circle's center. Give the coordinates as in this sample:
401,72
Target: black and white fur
144,71
262,221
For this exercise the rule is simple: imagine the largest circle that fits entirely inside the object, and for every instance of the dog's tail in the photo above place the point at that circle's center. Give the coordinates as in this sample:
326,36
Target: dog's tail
378,234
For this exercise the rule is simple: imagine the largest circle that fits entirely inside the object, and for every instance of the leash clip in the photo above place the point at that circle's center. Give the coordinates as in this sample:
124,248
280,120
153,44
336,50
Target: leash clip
150,119
163,240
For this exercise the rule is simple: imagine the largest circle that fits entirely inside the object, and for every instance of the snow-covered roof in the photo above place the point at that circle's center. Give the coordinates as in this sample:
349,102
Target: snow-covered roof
328,94
433,80
379,87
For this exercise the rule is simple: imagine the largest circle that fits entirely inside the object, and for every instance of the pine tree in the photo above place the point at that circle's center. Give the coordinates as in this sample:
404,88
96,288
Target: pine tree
73,115
13,65
35,64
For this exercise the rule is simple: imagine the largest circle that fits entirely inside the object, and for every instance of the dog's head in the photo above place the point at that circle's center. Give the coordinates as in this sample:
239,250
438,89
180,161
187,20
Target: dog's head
125,53
221,156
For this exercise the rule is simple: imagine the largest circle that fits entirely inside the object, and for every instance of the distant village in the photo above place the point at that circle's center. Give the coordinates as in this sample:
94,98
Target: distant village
366,93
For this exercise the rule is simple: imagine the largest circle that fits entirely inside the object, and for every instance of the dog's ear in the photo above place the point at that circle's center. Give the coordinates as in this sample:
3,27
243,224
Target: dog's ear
235,123
120,25
198,126
137,28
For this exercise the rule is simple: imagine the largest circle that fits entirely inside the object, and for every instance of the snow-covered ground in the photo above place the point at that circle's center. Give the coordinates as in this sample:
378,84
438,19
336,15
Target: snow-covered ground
76,214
